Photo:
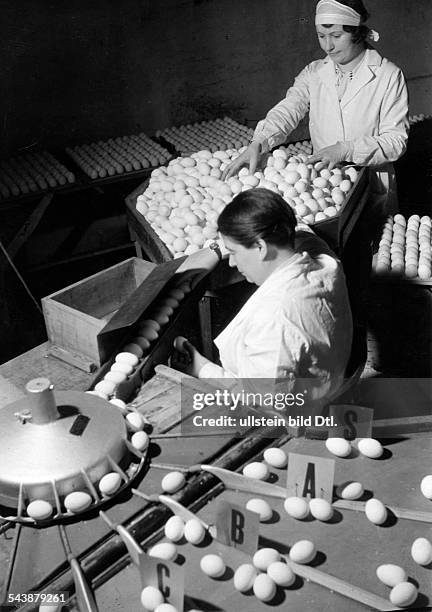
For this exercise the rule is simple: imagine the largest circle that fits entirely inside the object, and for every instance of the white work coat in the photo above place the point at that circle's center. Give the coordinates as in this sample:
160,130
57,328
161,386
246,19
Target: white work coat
371,117
298,322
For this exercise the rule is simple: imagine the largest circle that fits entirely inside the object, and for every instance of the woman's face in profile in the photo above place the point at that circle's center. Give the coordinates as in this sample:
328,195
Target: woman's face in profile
246,260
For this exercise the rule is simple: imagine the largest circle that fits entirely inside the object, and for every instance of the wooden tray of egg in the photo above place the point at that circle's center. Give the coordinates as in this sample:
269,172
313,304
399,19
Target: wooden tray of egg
412,235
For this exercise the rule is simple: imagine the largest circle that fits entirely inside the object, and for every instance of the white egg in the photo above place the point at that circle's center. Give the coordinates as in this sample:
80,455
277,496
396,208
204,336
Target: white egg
257,470
39,509
110,483
115,377
213,566
426,486
370,448
128,358
338,446
281,573
421,551
120,404
166,607
174,528
320,509
244,577
151,598
264,587
350,490
261,507
403,594
140,440
173,481
164,550
134,421
106,387
265,557
78,501
391,574
275,457
194,531
375,511
302,551
297,507
124,368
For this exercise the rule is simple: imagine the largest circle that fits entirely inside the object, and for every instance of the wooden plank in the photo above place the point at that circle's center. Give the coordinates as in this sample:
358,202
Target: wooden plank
29,226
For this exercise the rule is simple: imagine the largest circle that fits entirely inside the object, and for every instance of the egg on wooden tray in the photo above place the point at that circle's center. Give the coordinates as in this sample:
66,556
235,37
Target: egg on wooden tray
184,198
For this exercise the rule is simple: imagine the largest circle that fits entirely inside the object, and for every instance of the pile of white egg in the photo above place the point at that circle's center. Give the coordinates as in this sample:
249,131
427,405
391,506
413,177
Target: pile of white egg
215,135
403,593
405,247
30,173
118,155
183,200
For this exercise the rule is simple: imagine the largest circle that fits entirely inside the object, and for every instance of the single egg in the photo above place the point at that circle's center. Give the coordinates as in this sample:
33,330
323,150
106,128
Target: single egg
172,482
265,557
124,368
134,421
147,335
115,377
281,573
275,457
297,507
403,594
133,348
107,387
151,598
78,501
120,404
264,587
320,509
370,448
302,551
39,509
261,507
421,551
426,486
244,577
166,607
257,470
140,440
126,357
391,574
213,566
375,511
110,483
338,446
164,550
194,531
350,490
174,528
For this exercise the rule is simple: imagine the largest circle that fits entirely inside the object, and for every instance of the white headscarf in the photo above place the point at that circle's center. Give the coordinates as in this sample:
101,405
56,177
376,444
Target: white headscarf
336,13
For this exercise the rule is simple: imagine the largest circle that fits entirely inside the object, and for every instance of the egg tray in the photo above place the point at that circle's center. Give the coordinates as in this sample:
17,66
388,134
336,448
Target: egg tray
122,156
160,349
136,462
33,174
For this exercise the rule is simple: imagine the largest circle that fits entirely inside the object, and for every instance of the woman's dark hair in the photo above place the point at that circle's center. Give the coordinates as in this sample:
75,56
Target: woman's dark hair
258,213
359,33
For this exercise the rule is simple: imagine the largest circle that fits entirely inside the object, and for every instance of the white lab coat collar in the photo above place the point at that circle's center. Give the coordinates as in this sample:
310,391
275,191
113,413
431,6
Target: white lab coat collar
364,75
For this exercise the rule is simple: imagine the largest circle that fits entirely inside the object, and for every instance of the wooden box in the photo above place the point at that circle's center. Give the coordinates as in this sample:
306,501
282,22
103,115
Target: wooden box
77,314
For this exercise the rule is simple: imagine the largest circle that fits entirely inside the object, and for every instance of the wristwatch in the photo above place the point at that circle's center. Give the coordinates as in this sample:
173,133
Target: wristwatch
216,248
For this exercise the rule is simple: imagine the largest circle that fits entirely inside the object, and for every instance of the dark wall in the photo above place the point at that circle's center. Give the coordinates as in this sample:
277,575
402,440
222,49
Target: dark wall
78,71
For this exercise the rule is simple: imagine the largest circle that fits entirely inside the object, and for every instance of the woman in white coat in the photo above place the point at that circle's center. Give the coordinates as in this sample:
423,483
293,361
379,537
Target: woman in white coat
357,103
297,324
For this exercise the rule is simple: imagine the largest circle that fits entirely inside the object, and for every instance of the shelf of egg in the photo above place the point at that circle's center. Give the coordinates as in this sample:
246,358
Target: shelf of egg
117,156
32,173
91,495
405,249
215,135
182,201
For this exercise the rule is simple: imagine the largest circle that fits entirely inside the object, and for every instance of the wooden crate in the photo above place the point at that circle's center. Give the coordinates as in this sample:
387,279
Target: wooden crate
77,314
335,230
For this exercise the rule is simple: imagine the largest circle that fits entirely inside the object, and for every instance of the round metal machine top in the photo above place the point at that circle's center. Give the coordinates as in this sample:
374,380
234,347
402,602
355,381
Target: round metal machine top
49,438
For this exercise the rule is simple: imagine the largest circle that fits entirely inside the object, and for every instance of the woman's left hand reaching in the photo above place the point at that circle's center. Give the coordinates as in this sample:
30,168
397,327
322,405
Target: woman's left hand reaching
332,155
186,358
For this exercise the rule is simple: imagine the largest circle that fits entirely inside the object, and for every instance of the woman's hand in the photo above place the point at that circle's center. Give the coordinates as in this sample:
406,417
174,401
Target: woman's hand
250,157
186,358
332,155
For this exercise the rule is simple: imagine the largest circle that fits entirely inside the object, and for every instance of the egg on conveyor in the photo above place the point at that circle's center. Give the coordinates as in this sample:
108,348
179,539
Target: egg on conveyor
403,594
78,501
338,446
110,483
320,509
265,557
261,507
134,421
194,531
213,566
264,587
297,507
244,577
421,551
302,551
39,509
174,528
281,573
151,598
140,440
370,448
120,404
426,486
172,482
107,387
275,457
257,470
350,490
164,550
375,511
126,357
166,607
391,574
